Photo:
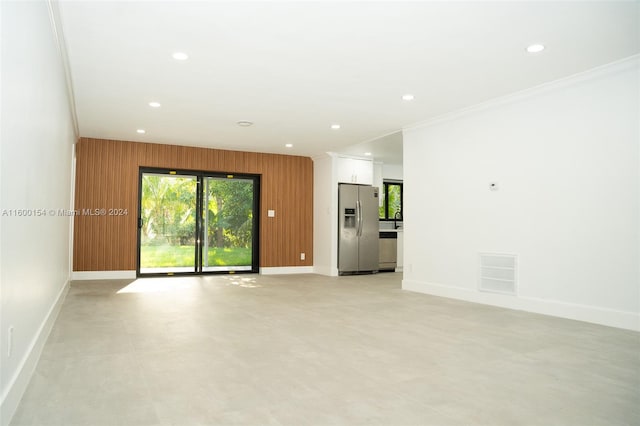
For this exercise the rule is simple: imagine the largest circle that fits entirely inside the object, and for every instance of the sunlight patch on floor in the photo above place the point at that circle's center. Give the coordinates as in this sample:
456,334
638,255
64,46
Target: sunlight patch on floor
241,281
157,285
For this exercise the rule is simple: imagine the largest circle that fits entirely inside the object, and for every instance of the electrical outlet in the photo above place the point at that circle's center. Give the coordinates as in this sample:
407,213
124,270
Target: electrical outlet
9,341
302,256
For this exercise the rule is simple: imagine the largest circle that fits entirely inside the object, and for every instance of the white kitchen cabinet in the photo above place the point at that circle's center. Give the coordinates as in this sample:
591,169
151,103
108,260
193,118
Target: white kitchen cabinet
354,170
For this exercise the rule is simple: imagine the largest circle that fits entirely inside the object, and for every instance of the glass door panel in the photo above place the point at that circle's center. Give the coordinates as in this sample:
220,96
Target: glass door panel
168,210
228,224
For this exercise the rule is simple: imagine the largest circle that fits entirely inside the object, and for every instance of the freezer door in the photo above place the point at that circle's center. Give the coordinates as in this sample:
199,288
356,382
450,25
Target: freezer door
369,229
348,226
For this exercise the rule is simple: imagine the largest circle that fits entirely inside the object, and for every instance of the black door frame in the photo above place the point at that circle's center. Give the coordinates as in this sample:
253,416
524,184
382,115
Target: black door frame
200,227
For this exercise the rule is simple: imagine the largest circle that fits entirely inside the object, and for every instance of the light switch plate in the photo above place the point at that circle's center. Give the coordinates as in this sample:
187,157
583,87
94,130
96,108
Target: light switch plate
271,213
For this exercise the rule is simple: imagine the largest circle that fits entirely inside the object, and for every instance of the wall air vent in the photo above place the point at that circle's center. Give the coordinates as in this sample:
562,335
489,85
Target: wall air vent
498,273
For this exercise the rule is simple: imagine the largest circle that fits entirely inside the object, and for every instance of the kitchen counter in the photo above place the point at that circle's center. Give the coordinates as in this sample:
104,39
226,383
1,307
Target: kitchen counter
388,225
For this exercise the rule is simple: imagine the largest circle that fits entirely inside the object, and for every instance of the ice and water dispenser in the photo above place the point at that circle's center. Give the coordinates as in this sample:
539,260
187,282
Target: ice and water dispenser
349,218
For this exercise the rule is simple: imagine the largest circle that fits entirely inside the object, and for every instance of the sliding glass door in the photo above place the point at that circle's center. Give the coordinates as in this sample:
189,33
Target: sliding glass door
228,219
168,208
196,222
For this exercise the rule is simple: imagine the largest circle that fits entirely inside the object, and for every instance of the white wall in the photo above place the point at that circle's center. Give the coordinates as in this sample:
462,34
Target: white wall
37,134
566,158
392,171
325,216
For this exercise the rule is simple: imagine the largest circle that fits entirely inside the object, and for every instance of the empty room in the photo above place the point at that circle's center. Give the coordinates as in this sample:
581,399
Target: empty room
320,213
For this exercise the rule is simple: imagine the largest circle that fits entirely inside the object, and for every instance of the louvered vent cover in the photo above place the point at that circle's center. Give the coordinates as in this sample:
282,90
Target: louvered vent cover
498,273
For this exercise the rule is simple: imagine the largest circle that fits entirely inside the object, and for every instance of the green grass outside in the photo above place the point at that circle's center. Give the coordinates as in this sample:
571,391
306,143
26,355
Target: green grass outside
165,256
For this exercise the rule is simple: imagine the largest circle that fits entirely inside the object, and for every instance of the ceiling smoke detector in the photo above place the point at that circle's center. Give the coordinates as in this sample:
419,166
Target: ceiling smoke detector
244,123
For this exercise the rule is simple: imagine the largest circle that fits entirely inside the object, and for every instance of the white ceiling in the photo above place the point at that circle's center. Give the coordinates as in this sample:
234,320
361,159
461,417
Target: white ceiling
295,68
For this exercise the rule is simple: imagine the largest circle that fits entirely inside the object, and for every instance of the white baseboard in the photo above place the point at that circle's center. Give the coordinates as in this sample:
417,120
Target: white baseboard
102,275
593,314
18,383
121,275
282,270
326,270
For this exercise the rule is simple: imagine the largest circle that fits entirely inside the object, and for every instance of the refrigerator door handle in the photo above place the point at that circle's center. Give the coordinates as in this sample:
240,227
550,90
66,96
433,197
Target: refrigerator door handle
359,218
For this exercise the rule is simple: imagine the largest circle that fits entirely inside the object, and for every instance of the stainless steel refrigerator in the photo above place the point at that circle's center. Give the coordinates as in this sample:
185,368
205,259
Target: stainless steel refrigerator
358,229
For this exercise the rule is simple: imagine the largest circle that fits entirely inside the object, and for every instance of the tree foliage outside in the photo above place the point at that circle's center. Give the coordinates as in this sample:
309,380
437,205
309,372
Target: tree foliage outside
394,200
229,214
391,200
168,210
169,220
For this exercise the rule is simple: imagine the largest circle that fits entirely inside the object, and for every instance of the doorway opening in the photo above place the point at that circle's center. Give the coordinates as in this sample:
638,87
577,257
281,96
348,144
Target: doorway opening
197,222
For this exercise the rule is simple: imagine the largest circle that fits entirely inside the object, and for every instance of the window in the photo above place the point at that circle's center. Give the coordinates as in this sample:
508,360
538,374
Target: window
197,222
391,193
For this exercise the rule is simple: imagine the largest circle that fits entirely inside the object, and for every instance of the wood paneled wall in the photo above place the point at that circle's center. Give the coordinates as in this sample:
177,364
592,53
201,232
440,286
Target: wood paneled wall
107,178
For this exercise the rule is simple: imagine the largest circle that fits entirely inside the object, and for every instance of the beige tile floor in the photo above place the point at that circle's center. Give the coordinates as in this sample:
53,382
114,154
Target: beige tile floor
313,350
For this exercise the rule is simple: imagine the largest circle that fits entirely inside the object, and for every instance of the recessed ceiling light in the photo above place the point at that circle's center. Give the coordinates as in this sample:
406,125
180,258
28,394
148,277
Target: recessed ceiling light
141,131
535,48
335,126
368,154
289,145
244,123
180,56
407,97
154,104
